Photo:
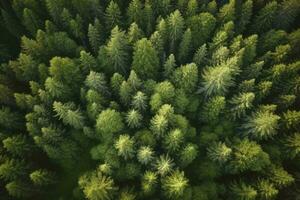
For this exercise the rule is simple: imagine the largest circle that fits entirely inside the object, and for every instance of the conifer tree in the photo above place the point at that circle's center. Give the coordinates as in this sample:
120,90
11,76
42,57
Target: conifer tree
175,184
125,146
185,46
243,191
240,103
96,186
145,59
115,53
265,18
135,12
262,125
42,177
112,15
202,26
175,27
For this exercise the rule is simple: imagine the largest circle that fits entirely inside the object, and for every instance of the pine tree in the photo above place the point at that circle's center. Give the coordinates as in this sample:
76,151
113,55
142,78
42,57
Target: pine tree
145,155
134,119
192,8
292,144
261,125
213,108
185,46
42,177
169,66
134,33
125,146
97,82
243,191
149,181
19,189
94,37
109,122
218,79
31,21
266,189
186,77
12,169
68,115
97,186
18,145
173,140
280,177
248,155
175,184
135,12
188,154
286,15
200,55
227,12
265,18
145,59
241,103
139,101
175,26
202,26
219,152
245,16
164,165
112,15
116,52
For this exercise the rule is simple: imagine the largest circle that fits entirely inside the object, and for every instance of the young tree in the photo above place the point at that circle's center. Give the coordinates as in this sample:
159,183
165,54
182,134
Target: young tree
188,154
173,140
139,101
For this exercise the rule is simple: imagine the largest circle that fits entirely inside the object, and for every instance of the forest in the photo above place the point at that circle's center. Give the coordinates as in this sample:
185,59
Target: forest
149,100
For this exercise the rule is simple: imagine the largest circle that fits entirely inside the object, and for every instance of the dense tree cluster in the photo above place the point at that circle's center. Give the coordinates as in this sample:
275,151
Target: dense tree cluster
150,99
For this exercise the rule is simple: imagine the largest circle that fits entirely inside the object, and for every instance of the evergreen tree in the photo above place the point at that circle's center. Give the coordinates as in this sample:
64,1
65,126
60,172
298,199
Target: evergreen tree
115,53
145,155
202,26
261,125
175,184
135,12
219,152
240,103
96,186
112,15
243,191
109,122
265,18
42,177
145,59
175,27
185,46
125,146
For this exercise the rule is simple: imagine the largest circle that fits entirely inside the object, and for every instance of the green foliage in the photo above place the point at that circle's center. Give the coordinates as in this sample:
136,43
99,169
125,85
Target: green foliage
149,99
